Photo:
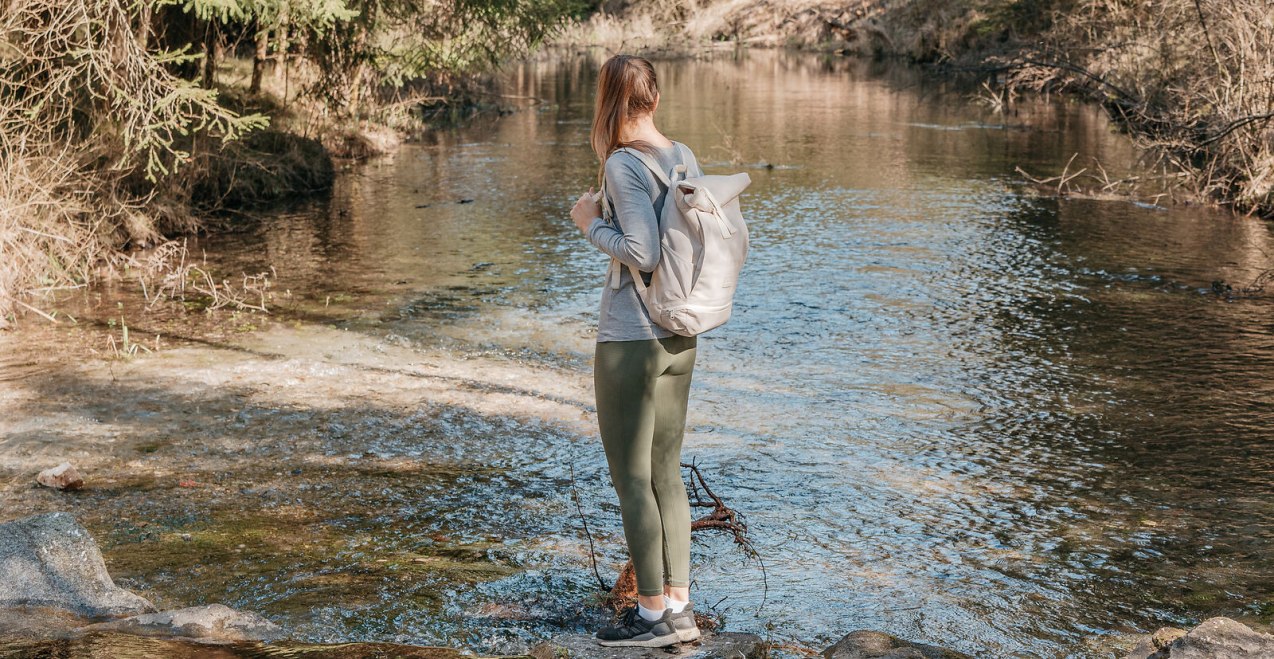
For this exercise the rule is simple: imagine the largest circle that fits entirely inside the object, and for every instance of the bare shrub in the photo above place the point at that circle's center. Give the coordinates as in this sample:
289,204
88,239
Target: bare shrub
89,121
1193,80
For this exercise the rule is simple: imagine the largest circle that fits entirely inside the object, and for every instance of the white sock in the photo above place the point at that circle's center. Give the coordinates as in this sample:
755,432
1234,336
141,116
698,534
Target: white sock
677,606
648,614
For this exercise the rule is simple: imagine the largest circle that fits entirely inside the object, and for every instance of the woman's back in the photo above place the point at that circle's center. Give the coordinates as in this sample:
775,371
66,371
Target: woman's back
636,196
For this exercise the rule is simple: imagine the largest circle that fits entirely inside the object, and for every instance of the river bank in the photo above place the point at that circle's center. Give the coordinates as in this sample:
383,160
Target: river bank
124,124
1187,80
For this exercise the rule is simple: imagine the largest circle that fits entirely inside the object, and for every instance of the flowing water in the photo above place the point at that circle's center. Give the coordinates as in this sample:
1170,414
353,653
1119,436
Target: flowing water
950,408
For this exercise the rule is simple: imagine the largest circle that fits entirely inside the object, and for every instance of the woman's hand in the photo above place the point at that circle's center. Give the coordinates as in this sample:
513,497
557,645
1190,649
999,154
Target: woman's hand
585,211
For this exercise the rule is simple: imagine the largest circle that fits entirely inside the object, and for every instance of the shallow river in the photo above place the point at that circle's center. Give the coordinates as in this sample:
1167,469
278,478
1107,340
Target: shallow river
950,408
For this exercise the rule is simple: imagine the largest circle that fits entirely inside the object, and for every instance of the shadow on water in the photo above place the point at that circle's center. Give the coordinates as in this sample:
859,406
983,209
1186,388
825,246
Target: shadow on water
342,521
952,410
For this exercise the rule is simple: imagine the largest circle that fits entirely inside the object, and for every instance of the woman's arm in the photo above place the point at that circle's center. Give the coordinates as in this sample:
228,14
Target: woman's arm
636,242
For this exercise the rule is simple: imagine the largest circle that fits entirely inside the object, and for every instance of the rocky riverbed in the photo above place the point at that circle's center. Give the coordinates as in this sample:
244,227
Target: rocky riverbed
55,593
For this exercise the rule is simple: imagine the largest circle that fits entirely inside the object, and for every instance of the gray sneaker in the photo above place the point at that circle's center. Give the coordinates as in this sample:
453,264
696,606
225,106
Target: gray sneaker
632,630
684,624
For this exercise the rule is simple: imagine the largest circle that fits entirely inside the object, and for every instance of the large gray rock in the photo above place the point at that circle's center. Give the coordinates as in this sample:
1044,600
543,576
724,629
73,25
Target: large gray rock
1214,638
866,644
724,645
50,560
214,622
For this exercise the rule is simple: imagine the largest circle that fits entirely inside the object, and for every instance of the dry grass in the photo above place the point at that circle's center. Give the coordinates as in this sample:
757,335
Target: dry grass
170,273
1203,99
667,26
653,26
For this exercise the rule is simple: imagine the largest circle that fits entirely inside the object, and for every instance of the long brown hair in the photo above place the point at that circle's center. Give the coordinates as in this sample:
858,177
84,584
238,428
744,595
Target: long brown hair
626,88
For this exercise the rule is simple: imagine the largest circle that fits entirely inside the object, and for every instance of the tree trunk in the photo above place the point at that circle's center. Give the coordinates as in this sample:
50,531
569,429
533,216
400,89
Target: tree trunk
210,54
143,25
281,46
259,57
359,76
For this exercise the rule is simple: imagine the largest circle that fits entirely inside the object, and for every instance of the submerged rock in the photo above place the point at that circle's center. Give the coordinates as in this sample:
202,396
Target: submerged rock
724,645
1162,638
866,644
37,622
50,560
1214,638
214,622
61,477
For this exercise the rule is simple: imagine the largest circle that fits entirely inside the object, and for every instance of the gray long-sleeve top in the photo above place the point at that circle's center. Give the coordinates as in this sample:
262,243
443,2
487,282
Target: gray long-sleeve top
636,196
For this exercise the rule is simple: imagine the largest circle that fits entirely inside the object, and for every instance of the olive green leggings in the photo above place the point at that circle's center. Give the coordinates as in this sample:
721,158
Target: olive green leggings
642,390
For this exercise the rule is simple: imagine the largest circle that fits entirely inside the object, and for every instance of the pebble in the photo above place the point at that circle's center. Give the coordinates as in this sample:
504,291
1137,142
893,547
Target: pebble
61,477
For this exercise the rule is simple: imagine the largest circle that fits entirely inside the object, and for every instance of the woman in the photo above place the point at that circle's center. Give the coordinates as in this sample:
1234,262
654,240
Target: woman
641,371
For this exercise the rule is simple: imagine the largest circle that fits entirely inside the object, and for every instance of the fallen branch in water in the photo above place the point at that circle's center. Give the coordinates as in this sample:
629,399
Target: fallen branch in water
1255,288
1099,185
166,273
720,518
592,551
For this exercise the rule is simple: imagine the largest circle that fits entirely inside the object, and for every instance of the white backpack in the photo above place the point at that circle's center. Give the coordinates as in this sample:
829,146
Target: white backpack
703,242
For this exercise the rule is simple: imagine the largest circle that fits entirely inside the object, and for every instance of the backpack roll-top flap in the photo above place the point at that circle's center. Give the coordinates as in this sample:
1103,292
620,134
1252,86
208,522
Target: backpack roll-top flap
709,195
724,189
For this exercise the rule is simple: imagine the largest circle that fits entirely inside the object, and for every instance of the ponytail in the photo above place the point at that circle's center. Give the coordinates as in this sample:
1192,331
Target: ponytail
626,89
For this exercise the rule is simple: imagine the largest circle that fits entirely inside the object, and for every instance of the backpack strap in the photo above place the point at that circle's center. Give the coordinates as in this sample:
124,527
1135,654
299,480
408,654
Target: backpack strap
678,172
651,164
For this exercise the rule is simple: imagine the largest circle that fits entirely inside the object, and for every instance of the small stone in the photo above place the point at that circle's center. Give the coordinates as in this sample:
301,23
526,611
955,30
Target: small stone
725,645
61,477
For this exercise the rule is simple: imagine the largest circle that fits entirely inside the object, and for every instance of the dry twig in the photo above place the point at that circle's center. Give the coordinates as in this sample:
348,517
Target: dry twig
720,518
